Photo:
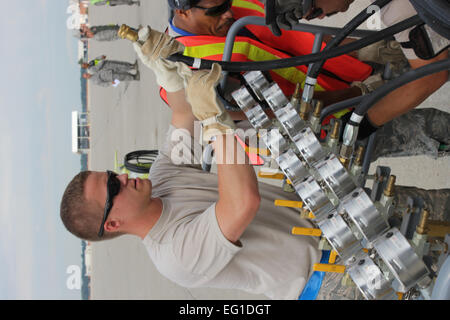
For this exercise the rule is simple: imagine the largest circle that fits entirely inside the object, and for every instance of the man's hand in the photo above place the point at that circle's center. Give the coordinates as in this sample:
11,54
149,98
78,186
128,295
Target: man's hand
283,14
332,6
156,47
206,107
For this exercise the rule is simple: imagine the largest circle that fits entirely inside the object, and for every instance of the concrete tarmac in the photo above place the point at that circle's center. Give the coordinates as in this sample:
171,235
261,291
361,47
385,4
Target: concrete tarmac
132,117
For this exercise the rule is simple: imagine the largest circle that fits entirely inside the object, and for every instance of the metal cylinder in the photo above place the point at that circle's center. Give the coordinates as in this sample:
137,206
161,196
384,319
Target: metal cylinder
125,32
389,191
318,109
295,99
335,131
423,224
305,109
359,156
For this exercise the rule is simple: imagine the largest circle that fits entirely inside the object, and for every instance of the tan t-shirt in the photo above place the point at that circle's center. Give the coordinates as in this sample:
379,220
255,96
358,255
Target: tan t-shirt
188,247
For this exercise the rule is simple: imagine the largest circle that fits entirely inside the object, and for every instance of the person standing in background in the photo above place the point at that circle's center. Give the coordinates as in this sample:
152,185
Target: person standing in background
113,3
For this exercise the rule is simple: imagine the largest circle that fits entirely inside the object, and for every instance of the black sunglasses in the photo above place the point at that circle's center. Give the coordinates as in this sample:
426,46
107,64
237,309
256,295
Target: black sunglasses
112,190
217,10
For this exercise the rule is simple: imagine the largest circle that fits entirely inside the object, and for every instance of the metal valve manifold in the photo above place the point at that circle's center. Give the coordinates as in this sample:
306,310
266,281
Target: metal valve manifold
377,257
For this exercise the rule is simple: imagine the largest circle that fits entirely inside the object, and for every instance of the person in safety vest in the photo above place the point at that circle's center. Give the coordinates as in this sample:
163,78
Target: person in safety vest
393,115
172,77
99,33
201,26
202,32
113,3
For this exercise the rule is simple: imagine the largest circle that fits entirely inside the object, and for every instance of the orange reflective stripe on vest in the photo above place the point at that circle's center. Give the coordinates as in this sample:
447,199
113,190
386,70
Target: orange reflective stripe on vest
300,43
296,43
247,49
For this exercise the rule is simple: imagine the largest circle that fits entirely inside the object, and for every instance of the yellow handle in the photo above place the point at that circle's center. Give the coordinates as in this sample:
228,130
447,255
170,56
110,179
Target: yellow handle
324,267
259,151
289,203
269,175
306,232
333,255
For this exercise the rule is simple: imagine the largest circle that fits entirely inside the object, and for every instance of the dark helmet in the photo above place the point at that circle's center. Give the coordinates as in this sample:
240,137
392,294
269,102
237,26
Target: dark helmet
182,4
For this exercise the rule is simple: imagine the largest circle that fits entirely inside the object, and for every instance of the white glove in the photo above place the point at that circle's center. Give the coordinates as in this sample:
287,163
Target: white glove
206,107
153,48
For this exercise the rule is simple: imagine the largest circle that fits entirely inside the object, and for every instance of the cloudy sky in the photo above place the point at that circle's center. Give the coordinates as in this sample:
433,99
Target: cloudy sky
40,87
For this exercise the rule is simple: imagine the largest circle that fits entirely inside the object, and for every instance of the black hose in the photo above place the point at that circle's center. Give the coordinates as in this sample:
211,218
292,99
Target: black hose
339,106
301,60
346,30
140,161
406,78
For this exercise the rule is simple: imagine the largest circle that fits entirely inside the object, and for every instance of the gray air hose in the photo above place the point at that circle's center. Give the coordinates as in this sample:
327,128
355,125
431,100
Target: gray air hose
436,14
346,31
406,78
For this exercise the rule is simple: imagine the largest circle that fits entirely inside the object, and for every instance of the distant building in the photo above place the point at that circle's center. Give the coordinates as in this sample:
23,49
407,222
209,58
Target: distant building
80,132
88,259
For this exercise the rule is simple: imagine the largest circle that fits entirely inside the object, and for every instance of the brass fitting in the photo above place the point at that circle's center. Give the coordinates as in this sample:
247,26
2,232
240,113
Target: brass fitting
318,109
359,156
389,191
422,227
335,131
297,92
345,162
305,108
295,99
345,155
125,32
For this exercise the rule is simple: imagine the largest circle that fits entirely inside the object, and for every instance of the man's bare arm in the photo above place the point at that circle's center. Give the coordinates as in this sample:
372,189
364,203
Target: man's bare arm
409,96
182,116
239,197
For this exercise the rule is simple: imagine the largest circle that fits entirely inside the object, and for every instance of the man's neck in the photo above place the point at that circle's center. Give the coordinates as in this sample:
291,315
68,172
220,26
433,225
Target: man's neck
180,28
149,219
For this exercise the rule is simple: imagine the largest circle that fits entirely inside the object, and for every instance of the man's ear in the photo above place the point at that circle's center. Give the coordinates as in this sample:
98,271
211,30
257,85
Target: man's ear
182,13
112,225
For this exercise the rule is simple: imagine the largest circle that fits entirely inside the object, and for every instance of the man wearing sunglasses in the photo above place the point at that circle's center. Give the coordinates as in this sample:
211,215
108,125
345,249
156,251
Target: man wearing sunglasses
214,18
204,18
202,229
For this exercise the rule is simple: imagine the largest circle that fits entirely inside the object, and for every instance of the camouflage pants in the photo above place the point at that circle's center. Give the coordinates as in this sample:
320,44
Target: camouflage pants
107,33
436,201
418,132
119,66
113,3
